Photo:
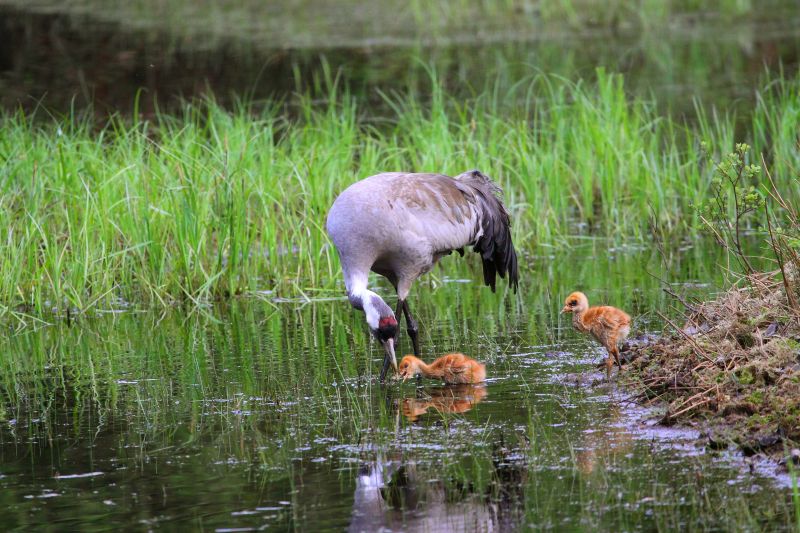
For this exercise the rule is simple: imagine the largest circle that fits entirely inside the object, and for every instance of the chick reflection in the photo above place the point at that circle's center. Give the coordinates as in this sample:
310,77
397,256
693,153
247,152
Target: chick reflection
602,446
445,399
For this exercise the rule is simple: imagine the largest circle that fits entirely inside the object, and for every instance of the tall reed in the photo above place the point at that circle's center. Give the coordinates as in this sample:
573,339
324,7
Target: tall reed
212,203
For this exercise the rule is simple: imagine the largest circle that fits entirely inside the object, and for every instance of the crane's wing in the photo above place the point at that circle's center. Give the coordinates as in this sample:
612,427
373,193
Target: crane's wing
493,241
464,211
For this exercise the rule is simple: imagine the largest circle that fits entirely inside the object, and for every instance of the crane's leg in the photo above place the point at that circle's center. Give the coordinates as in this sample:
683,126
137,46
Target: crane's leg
617,357
385,368
398,314
412,327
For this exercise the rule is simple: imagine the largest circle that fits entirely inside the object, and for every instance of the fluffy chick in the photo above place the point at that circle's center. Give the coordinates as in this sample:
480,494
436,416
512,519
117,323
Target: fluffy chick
608,325
450,368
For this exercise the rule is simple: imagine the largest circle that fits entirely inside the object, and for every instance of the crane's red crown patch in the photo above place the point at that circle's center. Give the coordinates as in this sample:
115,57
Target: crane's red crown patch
387,321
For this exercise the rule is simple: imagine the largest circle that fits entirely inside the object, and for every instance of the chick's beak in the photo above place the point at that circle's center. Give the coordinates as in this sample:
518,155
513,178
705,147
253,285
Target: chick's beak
563,310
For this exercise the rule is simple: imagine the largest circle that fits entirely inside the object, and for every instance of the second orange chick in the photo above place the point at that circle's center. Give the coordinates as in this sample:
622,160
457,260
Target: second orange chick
450,368
608,325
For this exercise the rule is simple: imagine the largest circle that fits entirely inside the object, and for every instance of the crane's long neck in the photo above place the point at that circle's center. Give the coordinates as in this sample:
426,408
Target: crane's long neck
365,300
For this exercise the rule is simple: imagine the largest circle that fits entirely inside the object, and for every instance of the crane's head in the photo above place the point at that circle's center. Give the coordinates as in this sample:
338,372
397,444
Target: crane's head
386,333
576,303
382,323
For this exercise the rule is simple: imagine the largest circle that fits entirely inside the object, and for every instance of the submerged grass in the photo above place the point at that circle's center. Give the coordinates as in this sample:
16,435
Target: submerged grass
212,203
193,413
259,406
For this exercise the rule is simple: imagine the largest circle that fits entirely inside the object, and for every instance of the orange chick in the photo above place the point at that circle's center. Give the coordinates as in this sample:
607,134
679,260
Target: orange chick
608,325
450,368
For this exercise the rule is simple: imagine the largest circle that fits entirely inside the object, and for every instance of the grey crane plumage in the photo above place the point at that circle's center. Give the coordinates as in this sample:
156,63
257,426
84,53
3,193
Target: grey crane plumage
400,224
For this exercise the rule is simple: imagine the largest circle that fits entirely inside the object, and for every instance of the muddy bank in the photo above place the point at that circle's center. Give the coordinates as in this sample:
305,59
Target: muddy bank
731,370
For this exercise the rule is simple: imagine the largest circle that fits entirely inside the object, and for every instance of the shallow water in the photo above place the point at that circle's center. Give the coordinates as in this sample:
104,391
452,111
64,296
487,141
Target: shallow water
69,59
267,414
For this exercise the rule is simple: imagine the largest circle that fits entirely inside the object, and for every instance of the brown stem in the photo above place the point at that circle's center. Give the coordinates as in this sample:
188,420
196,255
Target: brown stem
675,295
738,214
698,404
689,399
688,338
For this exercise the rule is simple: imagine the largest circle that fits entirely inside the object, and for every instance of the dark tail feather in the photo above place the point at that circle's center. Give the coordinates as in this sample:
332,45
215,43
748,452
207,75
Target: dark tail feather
494,244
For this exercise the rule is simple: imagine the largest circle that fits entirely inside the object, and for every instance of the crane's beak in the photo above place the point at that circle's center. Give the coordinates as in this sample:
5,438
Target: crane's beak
389,358
389,347
563,310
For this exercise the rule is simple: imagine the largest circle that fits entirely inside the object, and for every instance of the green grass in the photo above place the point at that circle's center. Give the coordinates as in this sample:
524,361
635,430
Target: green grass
210,203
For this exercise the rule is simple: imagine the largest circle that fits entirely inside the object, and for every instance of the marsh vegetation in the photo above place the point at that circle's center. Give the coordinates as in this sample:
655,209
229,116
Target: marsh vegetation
211,203
177,351
256,416
734,361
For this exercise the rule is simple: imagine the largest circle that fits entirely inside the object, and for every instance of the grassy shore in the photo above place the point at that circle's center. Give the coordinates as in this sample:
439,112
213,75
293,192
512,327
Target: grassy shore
214,203
732,367
731,370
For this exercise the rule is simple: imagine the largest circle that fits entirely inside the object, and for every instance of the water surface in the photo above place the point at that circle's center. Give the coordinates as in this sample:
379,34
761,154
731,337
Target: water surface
268,414
120,60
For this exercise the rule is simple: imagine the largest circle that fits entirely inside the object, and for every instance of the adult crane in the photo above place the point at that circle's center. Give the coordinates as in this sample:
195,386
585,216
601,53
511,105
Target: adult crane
400,224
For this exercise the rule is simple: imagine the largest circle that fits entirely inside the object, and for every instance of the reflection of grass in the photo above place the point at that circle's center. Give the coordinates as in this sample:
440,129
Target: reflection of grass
790,465
716,59
212,204
317,23
232,413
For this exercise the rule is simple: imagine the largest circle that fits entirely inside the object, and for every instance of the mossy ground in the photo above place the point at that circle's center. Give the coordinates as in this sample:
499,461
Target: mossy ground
733,369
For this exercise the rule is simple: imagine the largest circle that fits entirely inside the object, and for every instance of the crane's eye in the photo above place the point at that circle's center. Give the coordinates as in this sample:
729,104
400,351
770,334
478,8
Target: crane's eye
573,303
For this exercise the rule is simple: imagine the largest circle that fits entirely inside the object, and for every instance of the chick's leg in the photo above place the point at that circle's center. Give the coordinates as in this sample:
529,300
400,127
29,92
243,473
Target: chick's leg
615,349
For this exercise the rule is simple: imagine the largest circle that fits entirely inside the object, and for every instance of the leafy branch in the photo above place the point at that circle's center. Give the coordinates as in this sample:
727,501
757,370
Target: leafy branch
733,198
